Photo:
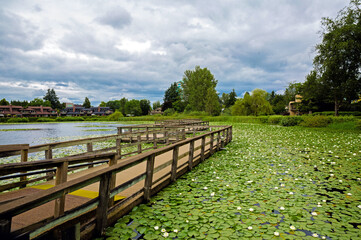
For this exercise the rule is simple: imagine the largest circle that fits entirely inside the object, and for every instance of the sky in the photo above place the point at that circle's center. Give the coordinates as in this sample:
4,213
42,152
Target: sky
107,50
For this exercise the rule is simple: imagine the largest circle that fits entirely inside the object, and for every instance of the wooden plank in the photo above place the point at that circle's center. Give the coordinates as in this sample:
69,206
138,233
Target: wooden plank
139,143
211,143
102,209
149,177
61,177
190,158
203,145
112,161
5,226
13,147
154,140
24,158
174,163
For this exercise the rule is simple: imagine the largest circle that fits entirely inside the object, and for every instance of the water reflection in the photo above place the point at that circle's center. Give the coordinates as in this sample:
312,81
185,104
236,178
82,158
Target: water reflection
39,133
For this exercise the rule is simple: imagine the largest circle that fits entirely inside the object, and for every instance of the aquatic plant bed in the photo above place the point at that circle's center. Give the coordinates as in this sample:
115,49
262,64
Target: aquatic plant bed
270,182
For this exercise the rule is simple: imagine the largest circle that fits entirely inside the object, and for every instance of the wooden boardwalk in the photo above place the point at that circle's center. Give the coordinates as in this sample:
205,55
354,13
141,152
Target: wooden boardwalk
95,197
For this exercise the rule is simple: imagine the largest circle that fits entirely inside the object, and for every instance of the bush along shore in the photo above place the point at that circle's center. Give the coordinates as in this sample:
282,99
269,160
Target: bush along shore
347,122
270,182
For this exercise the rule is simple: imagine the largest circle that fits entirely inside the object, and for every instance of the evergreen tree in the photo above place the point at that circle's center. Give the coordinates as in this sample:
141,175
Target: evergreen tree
145,106
171,95
53,99
212,104
86,103
3,102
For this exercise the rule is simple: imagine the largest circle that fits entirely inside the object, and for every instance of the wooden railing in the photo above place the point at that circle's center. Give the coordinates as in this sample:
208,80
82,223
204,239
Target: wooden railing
91,218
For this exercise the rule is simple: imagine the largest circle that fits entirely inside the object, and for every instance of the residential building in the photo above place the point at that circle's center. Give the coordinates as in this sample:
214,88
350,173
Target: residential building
79,110
31,111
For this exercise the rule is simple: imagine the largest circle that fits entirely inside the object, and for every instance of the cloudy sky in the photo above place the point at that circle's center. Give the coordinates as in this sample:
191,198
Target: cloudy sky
107,50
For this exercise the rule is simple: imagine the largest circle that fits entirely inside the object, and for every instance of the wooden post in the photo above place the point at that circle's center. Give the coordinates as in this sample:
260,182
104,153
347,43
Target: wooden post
203,144
61,177
211,144
191,152
166,137
5,228
194,131
49,155
176,135
149,177
139,144
89,148
131,134
183,133
112,161
118,145
24,158
174,164
147,133
102,209
155,140
218,141
230,130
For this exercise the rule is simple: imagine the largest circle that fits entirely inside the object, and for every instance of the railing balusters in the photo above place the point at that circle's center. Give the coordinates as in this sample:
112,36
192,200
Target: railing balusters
61,177
191,153
102,209
149,177
174,163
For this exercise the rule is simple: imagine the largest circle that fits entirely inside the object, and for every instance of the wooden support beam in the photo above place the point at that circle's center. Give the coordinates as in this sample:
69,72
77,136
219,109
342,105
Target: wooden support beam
191,153
89,148
147,133
24,158
139,144
102,209
118,145
211,143
112,161
166,137
155,140
149,178
203,145
174,163
218,141
183,134
61,177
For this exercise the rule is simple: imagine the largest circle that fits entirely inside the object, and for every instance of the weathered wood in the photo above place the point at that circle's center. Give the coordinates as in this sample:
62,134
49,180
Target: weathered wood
183,134
218,140
24,158
131,132
203,145
118,144
139,143
191,153
89,148
154,140
174,163
166,135
211,143
149,177
5,226
61,177
147,133
102,209
112,161
13,147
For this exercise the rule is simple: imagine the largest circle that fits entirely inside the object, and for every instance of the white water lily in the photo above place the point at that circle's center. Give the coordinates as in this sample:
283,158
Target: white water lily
350,194
250,228
292,227
282,208
359,206
163,230
315,235
175,230
251,209
239,208
314,213
291,193
156,227
323,237
212,194
187,221
276,234
165,234
205,188
276,187
283,185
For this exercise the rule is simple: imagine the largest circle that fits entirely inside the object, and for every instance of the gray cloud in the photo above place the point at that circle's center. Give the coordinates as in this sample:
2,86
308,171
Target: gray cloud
117,18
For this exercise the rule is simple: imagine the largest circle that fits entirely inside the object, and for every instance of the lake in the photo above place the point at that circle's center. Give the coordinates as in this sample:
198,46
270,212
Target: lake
40,133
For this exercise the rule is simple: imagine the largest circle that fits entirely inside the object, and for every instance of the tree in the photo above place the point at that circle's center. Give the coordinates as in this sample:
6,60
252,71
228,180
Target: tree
24,103
338,59
195,86
132,107
86,103
3,102
113,104
156,105
40,102
102,104
145,106
225,99
53,99
255,104
123,102
232,98
212,104
171,95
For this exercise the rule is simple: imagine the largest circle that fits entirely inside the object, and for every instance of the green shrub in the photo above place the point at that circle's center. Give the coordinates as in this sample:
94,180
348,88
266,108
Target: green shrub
274,119
18,120
116,116
341,113
43,119
290,121
358,124
69,119
264,119
342,126
169,112
315,121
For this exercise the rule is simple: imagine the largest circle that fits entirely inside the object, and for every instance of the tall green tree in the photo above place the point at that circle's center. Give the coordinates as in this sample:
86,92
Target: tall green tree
195,86
132,107
232,98
53,99
171,95
213,106
338,59
123,102
156,105
3,102
145,106
20,103
102,104
86,103
40,102
253,104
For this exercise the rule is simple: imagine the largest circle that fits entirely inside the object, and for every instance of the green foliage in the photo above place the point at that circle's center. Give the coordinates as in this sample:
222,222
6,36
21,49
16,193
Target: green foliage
3,102
169,112
252,104
315,121
342,126
274,119
40,102
358,124
342,113
171,96
290,121
69,119
212,104
20,103
116,116
86,103
145,106
53,99
195,86
132,107
18,120
229,99
156,105
45,119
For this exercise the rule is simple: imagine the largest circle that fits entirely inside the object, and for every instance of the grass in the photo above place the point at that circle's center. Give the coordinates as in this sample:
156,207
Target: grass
270,182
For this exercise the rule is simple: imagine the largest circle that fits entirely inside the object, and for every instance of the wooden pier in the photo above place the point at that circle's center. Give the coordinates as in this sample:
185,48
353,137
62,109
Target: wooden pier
108,182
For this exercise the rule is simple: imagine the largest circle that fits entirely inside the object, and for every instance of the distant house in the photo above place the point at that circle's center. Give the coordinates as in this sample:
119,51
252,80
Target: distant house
31,111
156,111
79,110
293,106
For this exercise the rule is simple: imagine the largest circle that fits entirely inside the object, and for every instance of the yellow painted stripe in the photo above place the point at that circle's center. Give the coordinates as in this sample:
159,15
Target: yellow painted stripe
80,192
